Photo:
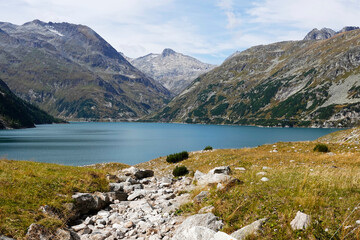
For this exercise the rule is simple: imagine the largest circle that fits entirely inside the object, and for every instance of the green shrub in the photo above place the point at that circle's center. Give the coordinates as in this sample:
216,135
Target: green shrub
180,171
207,148
177,157
321,148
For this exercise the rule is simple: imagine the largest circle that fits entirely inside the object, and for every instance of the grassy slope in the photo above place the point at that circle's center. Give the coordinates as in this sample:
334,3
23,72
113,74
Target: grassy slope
326,186
25,186
321,185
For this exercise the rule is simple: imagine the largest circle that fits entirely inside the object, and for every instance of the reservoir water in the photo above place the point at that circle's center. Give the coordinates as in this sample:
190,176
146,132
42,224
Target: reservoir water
131,143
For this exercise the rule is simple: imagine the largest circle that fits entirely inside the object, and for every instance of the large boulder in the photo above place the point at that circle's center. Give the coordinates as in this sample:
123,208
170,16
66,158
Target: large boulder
195,233
137,173
207,220
202,233
214,176
84,202
221,170
251,229
301,221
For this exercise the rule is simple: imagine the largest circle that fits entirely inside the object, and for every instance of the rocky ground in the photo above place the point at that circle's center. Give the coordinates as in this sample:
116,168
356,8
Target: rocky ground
143,206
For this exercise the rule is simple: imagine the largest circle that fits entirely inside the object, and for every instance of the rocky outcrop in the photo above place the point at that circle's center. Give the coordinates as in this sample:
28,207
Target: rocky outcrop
218,176
173,70
322,34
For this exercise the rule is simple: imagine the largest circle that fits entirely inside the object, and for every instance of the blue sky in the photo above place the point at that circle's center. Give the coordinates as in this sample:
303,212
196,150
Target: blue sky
209,30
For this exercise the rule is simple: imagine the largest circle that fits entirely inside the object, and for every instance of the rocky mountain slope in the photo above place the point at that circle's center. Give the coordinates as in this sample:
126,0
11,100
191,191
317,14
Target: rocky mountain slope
326,33
173,70
16,113
70,71
299,83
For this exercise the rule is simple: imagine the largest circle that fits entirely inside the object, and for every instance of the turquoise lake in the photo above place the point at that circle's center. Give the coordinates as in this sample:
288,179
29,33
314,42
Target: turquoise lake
131,143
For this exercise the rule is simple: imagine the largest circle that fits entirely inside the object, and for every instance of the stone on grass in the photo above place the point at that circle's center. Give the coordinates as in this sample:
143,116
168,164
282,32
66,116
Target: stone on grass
220,170
222,236
240,168
207,220
301,221
194,233
264,179
251,229
201,196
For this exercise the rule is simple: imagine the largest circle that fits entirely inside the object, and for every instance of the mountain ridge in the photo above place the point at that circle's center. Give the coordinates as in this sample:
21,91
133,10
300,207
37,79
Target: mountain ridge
290,83
71,71
16,113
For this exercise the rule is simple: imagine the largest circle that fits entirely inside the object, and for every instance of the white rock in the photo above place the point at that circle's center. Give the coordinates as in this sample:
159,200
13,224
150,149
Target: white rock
194,233
222,236
79,227
264,179
240,168
251,229
301,221
261,173
207,220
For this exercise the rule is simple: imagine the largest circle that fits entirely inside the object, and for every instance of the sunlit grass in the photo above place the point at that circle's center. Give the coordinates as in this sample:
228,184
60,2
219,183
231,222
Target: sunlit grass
25,186
325,186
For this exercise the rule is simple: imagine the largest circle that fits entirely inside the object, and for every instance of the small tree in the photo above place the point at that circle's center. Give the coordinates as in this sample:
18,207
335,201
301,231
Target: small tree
320,147
180,171
208,148
177,157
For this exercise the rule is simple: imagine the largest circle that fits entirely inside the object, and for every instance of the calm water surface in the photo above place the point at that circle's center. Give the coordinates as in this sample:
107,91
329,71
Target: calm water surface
131,143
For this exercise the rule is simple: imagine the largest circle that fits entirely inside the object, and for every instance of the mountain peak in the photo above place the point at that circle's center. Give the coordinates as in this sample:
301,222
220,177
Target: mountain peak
326,33
317,34
168,52
35,22
348,28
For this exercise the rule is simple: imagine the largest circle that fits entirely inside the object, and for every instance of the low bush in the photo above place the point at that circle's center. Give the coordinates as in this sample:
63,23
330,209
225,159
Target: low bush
180,171
177,157
207,148
321,148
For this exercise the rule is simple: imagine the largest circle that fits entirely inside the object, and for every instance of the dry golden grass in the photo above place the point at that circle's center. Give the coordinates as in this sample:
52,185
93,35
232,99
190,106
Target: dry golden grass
325,186
25,186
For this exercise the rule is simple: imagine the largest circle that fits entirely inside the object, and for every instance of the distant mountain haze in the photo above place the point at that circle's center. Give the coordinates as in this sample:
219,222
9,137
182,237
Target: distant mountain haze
173,70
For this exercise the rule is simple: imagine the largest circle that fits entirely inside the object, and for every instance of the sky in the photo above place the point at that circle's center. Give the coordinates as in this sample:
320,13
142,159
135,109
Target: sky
209,30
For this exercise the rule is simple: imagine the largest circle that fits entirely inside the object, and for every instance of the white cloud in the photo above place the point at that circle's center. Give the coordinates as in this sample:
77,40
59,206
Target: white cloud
307,13
233,18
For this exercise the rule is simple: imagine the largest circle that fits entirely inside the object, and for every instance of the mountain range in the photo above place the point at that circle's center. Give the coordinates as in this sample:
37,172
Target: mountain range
173,70
16,113
71,72
292,83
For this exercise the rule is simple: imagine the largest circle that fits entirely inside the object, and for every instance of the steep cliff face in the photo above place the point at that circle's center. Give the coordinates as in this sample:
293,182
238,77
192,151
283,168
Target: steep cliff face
16,113
70,71
173,70
287,83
